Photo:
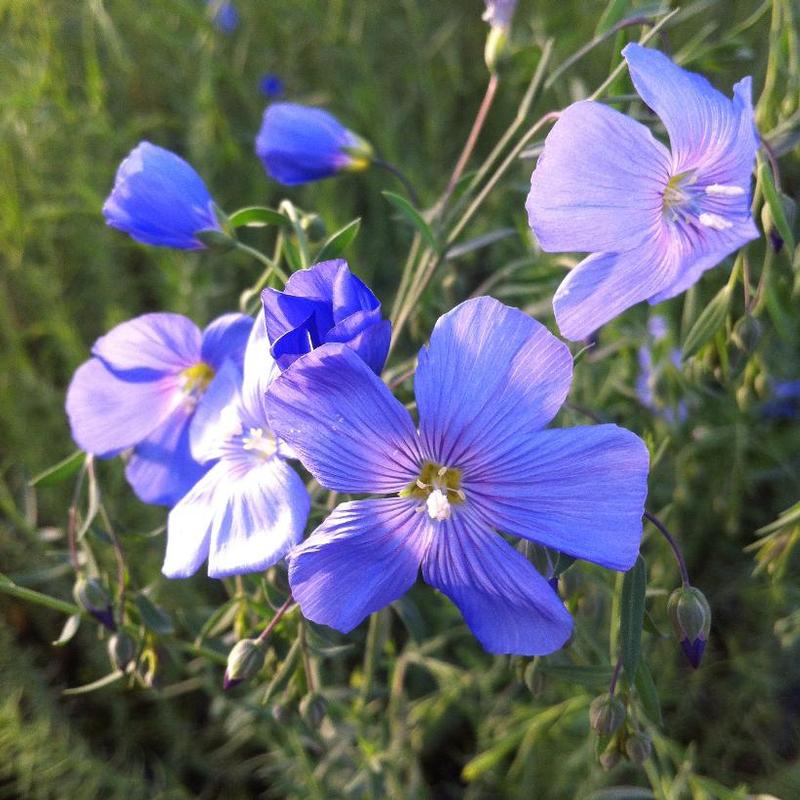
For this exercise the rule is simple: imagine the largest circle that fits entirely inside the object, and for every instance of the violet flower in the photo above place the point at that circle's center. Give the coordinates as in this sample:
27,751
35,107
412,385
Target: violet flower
141,389
326,303
479,463
654,219
246,512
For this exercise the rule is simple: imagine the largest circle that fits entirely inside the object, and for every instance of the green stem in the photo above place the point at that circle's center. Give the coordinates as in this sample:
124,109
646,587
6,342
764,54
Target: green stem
267,262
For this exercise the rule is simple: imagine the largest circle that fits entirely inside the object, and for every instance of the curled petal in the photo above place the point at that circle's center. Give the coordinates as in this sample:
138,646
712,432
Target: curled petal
226,338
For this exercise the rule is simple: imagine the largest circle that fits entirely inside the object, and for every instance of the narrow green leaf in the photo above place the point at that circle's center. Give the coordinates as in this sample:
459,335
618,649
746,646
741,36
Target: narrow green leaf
648,694
775,205
61,471
153,617
337,243
590,677
69,630
708,323
612,14
413,216
634,586
257,217
106,680
622,793
479,242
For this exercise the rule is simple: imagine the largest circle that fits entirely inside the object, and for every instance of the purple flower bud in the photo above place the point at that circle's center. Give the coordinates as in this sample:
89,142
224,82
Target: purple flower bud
92,596
325,303
690,616
638,748
298,144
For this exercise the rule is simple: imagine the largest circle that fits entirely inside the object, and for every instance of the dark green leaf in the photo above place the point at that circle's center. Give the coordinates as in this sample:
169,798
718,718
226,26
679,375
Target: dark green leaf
257,217
61,471
153,617
613,13
68,631
708,323
413,216
773,200
648,694
337,243
634,586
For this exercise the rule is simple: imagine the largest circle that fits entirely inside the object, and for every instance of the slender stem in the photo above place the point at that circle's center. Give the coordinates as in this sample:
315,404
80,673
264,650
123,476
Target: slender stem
264,635
673,544
472,139
311,684
612,687
72,516
407,185
371,653
119,555
267,262
773,163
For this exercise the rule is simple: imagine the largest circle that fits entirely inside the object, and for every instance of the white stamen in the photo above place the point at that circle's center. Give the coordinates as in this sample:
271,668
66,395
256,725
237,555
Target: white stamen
263,444
724,190
438,506
715,221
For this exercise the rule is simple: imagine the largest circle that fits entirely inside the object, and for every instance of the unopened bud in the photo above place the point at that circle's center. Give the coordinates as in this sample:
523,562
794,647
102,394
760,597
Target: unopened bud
312,709
217,240
244,661
121,650
638,748
92,596
690,616
609,758
496,42
747,333
606,714
281,713
768,221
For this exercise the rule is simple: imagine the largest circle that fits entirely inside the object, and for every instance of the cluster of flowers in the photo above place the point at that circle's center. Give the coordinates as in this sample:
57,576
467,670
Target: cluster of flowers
211,421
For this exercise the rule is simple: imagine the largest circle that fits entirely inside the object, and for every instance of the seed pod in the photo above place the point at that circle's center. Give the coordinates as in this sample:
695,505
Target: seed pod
244,661
606,714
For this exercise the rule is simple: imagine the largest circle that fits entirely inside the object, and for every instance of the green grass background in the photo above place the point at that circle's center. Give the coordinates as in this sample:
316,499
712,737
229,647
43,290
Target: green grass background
81,82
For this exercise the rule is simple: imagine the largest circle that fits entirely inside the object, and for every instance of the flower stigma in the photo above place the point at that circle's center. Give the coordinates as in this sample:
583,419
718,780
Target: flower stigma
437,488
260,443
195,379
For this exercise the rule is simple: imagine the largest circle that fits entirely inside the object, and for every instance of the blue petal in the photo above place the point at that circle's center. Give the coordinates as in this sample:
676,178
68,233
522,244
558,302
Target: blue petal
226,338
217,416
368,335
161,469
490,374
159,199
507,604
599,183
298,143
705,128
344,424
150,346
578,490
604,285
364,556
108,415
260,370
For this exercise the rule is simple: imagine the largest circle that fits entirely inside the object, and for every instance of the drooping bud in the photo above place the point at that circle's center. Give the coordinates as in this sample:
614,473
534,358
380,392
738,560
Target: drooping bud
312,709
690,616
606,714
121,650
92,596
610,757
244,661
638,748
746,333
768,221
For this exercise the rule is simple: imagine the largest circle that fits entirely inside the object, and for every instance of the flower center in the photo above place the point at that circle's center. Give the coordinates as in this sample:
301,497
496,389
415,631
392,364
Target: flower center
195,379
437,488
684,202
261,443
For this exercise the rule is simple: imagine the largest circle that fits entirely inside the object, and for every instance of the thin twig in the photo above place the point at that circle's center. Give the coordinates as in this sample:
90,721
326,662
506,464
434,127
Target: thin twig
264,635
673,544
407,185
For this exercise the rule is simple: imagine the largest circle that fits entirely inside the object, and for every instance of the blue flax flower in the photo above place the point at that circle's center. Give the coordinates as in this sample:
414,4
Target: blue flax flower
224,15
159,199
499,13
298,144
326,303
141,389
478,463
251,507
654,219
271,85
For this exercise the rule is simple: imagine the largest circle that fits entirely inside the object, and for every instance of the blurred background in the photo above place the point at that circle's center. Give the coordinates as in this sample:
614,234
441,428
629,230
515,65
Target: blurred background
82,82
